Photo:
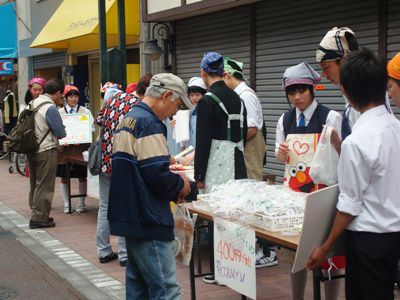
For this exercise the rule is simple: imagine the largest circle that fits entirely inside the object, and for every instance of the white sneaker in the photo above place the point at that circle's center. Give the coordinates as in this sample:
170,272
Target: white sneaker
80,209
268,260
210,279
66,210
259,254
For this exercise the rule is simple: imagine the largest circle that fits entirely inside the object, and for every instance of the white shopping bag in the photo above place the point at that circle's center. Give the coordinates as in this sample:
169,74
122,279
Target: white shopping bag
184,231
323,168
302,150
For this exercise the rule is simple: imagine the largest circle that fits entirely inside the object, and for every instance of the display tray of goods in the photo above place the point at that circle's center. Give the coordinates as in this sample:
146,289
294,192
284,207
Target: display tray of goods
271,207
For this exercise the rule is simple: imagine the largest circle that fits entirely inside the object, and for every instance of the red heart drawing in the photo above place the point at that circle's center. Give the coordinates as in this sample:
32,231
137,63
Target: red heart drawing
300,148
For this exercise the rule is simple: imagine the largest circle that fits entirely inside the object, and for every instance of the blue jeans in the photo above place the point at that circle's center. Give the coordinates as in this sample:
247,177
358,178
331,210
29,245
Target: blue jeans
151,270
103,227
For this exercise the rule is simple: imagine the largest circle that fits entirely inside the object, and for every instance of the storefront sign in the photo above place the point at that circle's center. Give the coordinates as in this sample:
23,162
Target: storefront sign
234,257
6,67
78,128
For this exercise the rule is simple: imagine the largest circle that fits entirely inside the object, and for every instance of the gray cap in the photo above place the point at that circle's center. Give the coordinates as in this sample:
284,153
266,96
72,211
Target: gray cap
302,73
173,83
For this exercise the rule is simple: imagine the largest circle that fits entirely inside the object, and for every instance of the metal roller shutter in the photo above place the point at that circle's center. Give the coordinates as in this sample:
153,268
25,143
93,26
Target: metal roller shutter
393,33
393,36
288,33
227,32
49,60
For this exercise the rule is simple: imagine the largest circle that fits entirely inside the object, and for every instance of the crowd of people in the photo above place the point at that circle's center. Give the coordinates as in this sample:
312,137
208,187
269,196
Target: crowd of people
227,130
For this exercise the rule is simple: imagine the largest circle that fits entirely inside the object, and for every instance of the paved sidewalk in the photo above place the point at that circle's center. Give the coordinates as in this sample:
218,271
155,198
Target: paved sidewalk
25,276
72,244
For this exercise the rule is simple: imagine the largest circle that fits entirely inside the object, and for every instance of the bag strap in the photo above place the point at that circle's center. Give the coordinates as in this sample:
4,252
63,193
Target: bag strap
39,106
34,111
231,117
102,130
42,139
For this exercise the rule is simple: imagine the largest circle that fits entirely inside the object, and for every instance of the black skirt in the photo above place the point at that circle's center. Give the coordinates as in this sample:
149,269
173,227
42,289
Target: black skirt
76,171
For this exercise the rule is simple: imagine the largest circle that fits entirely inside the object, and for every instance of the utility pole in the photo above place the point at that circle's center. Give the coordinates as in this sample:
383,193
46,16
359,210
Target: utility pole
122,41
103,42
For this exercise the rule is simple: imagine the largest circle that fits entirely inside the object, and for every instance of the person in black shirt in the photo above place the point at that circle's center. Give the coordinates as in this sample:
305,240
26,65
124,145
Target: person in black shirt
220,132
221,129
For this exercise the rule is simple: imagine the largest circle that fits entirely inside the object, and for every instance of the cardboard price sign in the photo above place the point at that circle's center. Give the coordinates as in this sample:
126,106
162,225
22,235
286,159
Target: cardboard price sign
78,128
234,256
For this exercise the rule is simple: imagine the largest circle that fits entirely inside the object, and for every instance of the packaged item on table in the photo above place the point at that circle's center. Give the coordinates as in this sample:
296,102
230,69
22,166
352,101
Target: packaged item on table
273,207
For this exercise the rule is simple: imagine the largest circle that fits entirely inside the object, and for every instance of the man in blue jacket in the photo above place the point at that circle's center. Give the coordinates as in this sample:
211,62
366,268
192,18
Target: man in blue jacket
142,187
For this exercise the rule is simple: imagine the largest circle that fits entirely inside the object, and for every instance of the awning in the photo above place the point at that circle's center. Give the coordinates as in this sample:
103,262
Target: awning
75,26
8,31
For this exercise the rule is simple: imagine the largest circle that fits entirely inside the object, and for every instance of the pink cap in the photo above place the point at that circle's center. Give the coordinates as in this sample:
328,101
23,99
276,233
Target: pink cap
37,80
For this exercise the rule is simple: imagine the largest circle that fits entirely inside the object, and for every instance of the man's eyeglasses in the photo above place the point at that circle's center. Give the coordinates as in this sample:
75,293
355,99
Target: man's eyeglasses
180,106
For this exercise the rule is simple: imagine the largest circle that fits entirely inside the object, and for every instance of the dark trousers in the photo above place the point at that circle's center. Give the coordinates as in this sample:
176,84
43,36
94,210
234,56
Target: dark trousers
371,260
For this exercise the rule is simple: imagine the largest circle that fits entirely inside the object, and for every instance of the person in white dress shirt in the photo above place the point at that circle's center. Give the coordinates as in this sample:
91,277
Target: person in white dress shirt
333,48
254,151
299,82
368,208
307,116
71,94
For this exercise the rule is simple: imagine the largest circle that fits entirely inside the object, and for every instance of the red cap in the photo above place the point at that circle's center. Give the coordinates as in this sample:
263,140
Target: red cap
69,88
131,87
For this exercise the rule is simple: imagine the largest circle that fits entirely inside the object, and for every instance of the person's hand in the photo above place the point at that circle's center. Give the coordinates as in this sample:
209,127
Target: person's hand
172,160
187,160
200,185
185,189
180,200
317,257
283,151
336,140
173,123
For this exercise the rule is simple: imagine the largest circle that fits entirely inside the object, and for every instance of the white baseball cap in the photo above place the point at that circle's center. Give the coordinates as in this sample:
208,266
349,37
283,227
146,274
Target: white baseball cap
197,81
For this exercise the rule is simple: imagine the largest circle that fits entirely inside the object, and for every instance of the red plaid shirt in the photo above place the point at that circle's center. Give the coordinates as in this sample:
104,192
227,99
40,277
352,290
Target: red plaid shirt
110,115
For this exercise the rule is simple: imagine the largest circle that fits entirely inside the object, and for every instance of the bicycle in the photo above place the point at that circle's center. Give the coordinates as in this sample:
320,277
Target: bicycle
4,149
18,160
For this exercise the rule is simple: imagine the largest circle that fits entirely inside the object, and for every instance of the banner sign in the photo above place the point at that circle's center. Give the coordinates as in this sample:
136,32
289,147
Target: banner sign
234,257
78,128
6,67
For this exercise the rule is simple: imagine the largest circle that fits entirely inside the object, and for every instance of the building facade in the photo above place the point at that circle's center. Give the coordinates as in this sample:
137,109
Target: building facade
62,41
269,36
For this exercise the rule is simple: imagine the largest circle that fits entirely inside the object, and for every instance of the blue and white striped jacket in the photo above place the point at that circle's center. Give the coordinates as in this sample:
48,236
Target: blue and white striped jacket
141,183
